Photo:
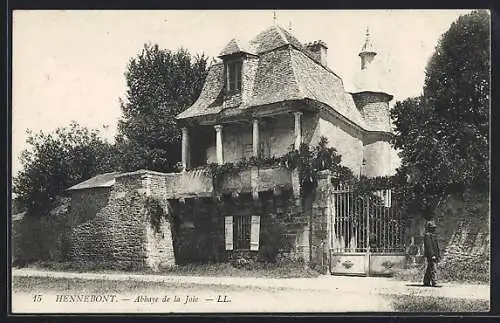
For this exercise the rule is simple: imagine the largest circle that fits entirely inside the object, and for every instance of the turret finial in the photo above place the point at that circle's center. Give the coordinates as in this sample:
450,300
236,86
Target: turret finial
274,17
368,51
368,45
290,26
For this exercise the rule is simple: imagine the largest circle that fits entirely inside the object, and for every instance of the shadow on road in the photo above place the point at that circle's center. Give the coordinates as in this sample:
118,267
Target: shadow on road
422,285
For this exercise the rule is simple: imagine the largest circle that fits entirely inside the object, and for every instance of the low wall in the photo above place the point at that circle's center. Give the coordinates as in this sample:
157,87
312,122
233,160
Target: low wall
115,237
121,234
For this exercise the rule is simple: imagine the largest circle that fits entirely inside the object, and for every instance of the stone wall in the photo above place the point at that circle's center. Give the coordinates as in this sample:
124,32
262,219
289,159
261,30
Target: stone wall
120,233
159,241
200,227
375,109
320,208
115,236
462,230
464,234
85,204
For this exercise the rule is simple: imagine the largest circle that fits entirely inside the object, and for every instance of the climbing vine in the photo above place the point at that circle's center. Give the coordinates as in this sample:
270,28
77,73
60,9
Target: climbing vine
220,172
308,161
156,212
365,186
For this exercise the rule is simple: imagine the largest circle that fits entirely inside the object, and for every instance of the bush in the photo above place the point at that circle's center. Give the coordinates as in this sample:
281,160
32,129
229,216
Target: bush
472,271
41,238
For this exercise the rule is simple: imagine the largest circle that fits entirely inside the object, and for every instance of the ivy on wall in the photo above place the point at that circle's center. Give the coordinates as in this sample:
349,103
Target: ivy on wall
308,161
156,212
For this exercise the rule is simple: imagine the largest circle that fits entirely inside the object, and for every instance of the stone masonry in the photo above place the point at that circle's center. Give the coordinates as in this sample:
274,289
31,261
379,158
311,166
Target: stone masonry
119,234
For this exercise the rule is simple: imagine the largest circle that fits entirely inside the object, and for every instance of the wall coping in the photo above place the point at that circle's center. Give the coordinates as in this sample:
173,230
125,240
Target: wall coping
145,172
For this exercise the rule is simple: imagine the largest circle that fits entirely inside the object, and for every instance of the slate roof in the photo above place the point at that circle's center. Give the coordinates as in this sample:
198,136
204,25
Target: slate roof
272,38
210,99
285,71
236,46
317,83
101,180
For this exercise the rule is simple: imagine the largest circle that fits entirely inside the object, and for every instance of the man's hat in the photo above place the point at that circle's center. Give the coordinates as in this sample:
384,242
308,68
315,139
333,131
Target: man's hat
431,224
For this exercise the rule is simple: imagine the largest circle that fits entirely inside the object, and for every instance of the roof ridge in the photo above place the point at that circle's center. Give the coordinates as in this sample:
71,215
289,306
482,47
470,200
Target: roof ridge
282,34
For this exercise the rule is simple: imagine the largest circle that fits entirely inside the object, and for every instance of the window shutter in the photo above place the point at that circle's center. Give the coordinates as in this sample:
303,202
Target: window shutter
229,232
254,233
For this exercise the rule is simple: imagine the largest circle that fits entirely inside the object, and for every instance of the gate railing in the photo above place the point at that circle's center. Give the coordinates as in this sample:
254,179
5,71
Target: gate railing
362,224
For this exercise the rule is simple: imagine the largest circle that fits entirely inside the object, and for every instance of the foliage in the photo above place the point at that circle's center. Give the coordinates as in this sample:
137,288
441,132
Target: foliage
41,238
220,172
307,160
156,213
160,84
444,134
475,271
55,161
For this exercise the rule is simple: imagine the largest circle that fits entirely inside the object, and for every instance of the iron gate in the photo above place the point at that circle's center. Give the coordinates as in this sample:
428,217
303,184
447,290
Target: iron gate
366,233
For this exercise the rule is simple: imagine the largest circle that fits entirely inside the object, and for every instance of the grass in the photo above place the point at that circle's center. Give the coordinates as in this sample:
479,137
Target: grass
46,284
418,304
400,303
457,273
264,270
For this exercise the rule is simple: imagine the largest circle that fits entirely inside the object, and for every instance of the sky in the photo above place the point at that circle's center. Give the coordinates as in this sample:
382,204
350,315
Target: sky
70,65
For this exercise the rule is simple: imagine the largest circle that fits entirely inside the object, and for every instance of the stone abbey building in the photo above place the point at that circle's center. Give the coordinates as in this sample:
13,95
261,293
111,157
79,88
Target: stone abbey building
263,99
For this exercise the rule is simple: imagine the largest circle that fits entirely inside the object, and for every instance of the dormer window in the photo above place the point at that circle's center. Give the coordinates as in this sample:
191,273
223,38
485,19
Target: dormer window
233,78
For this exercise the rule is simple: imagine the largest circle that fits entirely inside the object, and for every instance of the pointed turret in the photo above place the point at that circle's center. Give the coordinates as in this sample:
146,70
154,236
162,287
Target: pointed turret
368,51
372,99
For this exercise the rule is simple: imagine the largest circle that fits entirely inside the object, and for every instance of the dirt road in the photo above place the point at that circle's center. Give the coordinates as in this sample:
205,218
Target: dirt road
63,292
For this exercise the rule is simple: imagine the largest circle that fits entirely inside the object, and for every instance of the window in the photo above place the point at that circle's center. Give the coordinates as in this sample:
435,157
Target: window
242,232
234,76
242,236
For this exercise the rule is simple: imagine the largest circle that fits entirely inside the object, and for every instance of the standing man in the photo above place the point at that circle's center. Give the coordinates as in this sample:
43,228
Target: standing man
431,253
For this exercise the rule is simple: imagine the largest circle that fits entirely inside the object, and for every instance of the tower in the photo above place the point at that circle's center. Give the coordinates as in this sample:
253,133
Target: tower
372,100
368,52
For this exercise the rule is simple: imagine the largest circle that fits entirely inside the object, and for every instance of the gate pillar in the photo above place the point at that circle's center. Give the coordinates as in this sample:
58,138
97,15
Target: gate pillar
320,223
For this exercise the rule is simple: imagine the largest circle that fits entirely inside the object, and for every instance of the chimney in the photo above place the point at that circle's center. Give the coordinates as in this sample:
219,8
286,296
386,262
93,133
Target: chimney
318,49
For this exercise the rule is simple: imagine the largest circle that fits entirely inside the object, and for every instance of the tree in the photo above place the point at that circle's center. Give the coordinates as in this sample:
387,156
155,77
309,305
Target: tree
161,84
444,134
54,162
